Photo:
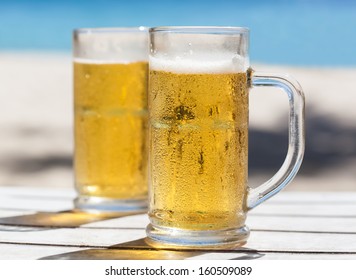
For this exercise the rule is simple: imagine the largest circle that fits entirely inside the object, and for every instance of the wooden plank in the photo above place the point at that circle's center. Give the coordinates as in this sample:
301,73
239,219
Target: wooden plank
339,210
30,252
301,242
305,224
118,254
39,204
286,203
259,240
70,236
43,192
272,256
293,197
70,219
319,224
314,210
34,203
290,197
139,221
12,213
127,254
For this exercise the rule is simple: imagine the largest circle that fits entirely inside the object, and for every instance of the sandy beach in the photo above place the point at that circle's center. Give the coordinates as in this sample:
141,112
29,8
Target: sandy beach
36,124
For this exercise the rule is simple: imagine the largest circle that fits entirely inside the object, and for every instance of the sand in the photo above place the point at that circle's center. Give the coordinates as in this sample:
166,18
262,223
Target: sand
36,124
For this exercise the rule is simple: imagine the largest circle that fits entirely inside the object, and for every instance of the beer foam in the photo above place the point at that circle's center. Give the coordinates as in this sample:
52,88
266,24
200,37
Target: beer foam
101,46
207,64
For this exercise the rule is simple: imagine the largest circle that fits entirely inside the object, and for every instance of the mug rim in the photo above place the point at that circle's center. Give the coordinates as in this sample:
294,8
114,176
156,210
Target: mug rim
95,30
200,29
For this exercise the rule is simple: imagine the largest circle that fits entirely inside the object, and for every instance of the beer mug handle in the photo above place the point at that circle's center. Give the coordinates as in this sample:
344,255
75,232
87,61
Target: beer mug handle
296,144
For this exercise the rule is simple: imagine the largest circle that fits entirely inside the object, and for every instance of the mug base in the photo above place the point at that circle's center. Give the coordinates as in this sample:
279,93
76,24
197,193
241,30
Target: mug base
172,238
95,204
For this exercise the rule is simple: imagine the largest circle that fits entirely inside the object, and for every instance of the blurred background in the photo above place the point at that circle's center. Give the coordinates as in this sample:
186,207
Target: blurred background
314,41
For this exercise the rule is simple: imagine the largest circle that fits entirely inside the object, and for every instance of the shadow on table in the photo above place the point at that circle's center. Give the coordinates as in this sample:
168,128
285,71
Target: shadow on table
140,250
48,220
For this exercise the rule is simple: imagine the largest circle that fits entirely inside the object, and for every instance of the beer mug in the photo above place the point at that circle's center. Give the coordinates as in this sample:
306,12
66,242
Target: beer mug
110,116
199,80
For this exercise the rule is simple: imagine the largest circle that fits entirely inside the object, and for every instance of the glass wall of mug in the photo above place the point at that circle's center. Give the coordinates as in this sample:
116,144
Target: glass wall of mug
199,83
110,115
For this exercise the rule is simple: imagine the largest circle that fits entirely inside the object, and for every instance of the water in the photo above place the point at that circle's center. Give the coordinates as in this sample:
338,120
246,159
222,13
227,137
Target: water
314,33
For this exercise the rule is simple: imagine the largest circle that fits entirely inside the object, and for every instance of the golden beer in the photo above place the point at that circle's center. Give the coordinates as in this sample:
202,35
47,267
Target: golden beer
110,129
198,149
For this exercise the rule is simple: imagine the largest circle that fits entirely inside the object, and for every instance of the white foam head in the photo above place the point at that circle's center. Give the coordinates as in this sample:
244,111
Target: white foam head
208,63
111,46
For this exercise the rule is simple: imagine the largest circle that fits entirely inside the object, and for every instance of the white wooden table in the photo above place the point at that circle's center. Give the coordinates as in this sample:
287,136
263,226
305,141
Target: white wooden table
37,223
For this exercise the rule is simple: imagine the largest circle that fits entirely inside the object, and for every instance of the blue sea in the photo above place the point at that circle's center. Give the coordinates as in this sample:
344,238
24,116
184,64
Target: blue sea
305,33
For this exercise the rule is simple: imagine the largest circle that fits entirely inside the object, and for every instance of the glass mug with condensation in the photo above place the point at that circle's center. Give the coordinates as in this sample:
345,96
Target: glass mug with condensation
110,116
199,82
